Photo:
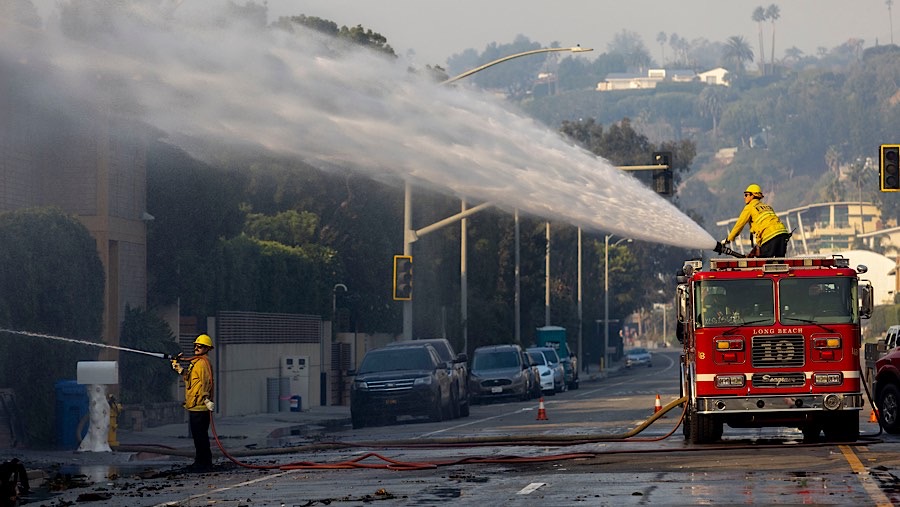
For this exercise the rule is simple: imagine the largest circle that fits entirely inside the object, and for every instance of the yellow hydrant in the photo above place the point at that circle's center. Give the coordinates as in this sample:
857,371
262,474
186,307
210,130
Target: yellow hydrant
114,409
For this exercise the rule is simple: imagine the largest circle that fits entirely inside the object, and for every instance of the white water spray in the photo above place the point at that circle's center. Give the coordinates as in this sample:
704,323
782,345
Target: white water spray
85,342
217,81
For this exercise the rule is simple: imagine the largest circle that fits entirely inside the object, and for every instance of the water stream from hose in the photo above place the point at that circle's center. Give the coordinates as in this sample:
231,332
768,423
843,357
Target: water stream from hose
203,77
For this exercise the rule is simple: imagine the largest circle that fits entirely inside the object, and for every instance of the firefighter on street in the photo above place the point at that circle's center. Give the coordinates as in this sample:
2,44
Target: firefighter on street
198,389
771,234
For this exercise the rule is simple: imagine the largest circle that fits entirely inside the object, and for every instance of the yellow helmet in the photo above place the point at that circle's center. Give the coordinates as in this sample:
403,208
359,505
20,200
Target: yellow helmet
204,339
754,189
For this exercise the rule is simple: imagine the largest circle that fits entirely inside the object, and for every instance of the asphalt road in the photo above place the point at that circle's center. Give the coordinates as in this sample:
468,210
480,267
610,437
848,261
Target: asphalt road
402,465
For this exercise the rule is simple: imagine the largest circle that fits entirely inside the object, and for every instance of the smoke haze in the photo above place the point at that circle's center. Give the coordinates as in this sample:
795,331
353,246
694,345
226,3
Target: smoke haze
305,96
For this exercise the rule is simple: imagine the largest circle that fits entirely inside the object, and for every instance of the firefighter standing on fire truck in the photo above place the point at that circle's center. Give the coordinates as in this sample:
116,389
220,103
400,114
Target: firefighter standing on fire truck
771,234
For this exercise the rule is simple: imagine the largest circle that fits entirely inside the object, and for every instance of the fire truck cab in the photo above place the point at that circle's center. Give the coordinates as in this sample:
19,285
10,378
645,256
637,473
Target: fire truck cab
771,342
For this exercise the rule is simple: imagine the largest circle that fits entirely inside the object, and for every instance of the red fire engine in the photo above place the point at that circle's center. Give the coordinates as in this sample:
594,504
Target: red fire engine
772,342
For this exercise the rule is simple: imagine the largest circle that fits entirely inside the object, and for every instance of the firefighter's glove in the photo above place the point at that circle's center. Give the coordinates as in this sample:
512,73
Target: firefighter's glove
177,367
209,405
725,241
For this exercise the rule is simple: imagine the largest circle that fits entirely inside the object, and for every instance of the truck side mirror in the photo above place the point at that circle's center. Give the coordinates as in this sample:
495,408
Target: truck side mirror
866,300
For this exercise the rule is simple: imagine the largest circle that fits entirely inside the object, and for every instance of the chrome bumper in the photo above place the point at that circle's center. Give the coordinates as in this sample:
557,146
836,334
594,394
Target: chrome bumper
745,404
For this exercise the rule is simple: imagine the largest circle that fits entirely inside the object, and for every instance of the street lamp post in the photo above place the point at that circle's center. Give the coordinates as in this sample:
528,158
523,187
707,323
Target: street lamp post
606,297
323,377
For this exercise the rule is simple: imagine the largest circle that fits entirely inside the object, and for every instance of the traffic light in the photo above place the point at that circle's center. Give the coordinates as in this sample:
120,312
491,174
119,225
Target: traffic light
890,171
403,278
662,178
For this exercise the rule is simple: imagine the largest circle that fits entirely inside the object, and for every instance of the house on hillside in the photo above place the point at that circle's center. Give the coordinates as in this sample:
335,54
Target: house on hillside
633,81
714,77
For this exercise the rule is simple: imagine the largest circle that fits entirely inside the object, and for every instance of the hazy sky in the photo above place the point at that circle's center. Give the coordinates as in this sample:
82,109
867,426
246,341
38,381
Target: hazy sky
437,30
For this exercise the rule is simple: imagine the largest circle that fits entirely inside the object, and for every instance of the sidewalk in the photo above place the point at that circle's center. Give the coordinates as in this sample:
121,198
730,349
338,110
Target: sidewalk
255,429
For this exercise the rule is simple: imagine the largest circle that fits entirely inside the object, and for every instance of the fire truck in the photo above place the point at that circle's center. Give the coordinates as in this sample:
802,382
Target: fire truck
771,343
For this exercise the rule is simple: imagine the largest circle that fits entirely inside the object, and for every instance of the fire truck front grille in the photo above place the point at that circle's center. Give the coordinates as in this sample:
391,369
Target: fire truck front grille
779,351
779,380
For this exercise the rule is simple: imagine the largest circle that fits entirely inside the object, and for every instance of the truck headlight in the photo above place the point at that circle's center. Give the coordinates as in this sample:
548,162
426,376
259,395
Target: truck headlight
422,381
730,381
360,385
828,379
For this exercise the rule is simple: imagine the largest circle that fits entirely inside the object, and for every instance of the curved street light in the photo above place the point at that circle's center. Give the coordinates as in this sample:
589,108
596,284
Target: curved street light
575,49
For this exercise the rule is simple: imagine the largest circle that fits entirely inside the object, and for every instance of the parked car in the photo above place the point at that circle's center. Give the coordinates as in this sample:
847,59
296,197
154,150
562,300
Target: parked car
499,371
401,380
534,376
555,374
638,357
459,372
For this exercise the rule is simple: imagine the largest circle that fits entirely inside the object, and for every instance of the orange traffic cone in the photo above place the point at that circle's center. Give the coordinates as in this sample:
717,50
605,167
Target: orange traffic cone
873,417
542,413
657,406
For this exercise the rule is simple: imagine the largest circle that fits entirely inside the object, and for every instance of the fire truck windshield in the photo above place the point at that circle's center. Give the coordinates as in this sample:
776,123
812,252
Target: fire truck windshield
735,302
818,300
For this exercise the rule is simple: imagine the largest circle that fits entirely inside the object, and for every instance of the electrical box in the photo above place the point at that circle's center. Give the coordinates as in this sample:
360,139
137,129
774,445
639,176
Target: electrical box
296,370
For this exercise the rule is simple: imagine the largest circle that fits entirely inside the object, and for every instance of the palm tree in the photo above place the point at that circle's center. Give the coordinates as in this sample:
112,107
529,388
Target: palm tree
890,3
833,160
712,103
859,175
759,15
661,38
773,13
736,52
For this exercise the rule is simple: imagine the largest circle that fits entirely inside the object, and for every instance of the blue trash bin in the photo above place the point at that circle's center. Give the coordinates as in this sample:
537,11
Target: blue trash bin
71,407
296,403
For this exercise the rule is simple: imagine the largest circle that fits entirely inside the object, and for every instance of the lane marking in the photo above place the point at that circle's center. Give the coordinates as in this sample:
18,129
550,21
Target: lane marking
878,497
191,498
531,488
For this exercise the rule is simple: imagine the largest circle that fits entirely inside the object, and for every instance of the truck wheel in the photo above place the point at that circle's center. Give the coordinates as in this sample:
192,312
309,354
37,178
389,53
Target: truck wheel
687,423
437,411
702,428
811,432
464,408
454,404
842,426
889,406
357,420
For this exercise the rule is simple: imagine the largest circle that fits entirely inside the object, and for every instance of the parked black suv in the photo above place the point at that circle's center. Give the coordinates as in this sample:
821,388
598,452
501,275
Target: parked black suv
459,372
400,380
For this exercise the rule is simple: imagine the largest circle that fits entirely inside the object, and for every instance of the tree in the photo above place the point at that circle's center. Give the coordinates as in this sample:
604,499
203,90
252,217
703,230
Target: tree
860,176
357,35
759,16
712,103
833,160
772,14
890,5
55,286
631,46
737,51
143,380
661,39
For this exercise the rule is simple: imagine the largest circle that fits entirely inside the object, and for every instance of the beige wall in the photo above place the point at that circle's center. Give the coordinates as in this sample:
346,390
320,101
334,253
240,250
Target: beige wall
243,370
